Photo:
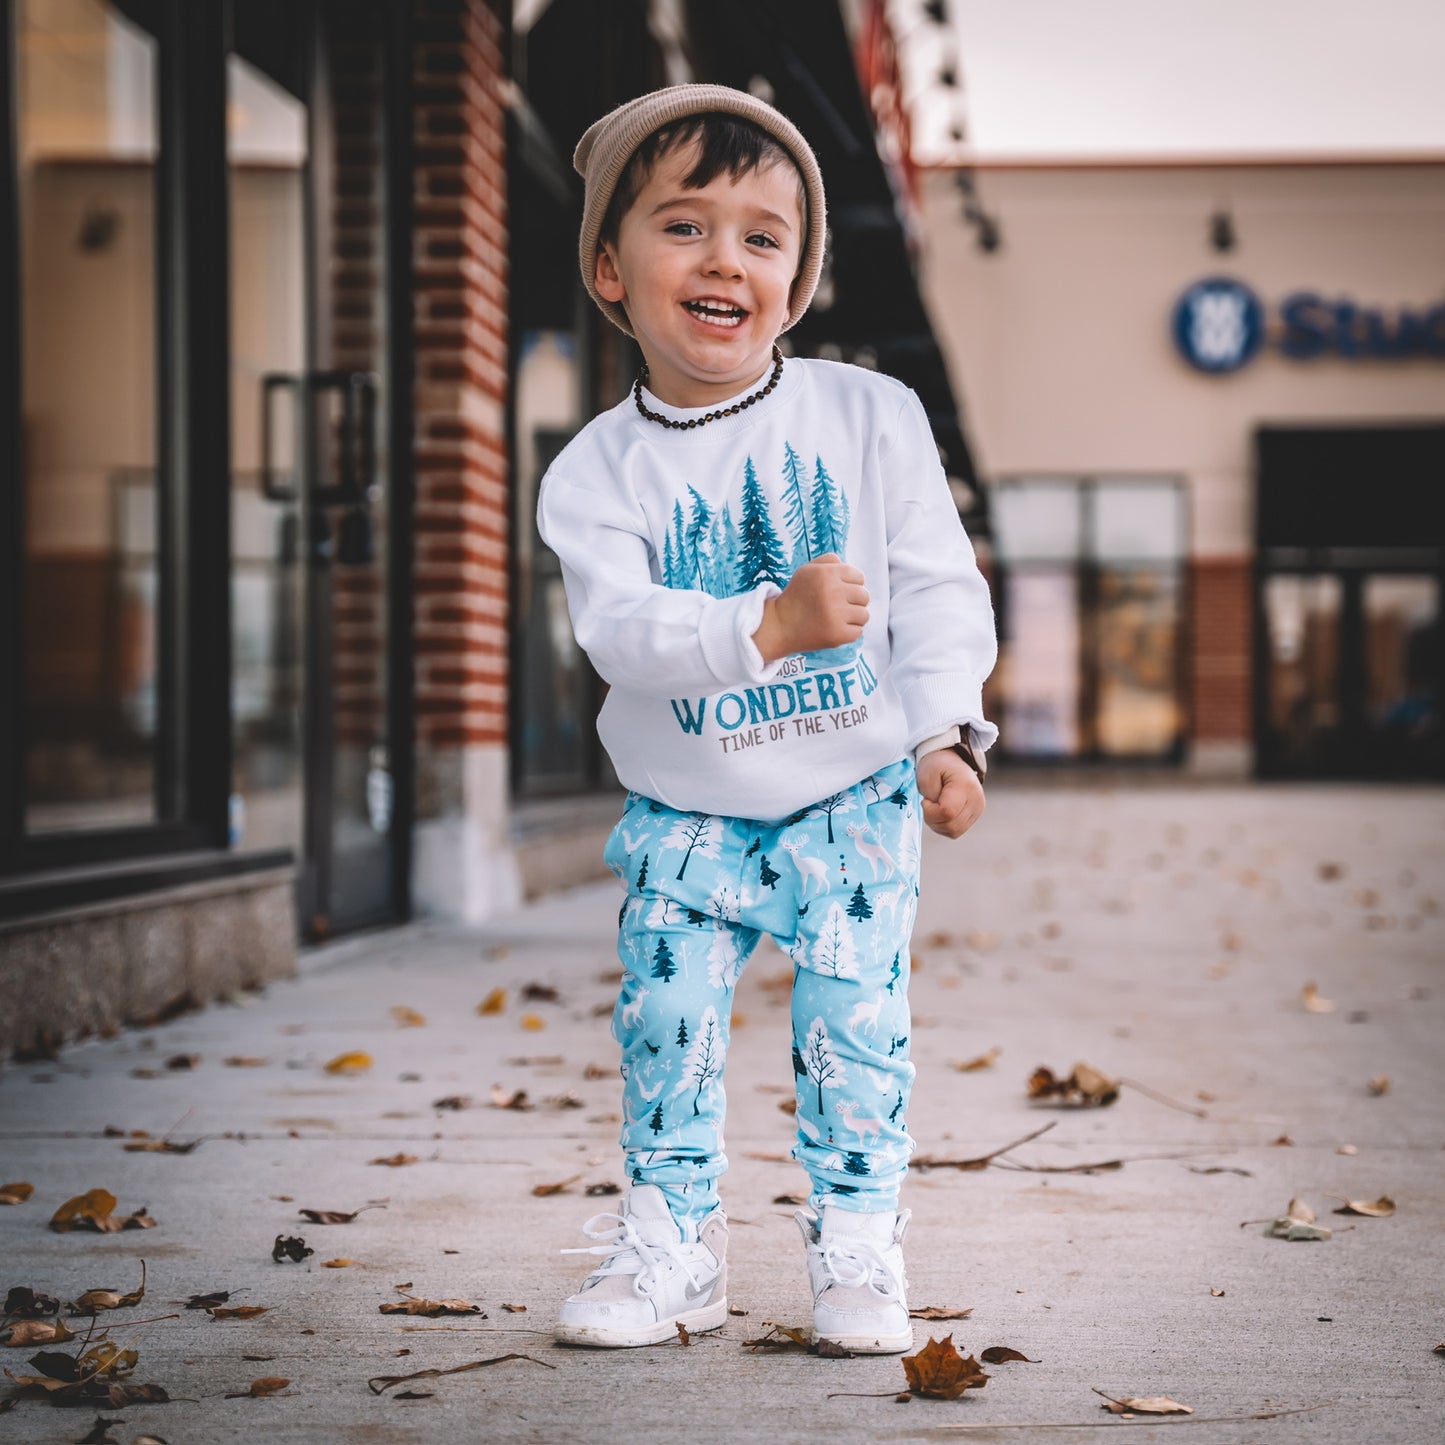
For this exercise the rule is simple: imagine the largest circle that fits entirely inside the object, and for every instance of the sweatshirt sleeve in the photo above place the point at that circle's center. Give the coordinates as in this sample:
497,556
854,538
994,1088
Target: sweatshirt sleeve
639,634
940,617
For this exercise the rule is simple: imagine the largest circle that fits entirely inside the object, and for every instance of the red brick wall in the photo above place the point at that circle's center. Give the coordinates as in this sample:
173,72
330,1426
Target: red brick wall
1220,631
460,254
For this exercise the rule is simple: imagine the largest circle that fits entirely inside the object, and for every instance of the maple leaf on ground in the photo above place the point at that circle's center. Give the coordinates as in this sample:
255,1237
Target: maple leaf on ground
939,1372
95,1300
15,1193
431,1308
290,1247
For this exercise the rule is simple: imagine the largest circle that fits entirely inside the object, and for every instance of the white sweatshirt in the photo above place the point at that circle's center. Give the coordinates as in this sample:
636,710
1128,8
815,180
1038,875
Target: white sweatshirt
671,541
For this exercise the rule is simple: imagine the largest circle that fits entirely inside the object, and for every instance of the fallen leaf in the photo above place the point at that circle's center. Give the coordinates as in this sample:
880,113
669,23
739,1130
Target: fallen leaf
494,1002
183,1062
380,1384
1379,1085
535,1023
569,1100
939,1372
407,1018
1376,1209
1328,872
245,1061
356,1062
779,1337
266,1385
509,1099
940,1312
95,1300
791,1199
240,1312
161,1146
453,1101
515,1309
683,1337
1084,1086
1154,1405
982,1061
84,1208
336,1263
599,1190
335,1216
542,1191
431,1308
1297,1222
830,1350
1002,1354
290,1247
1346,1149
394,1161
1217,1293
414,1395
210,1301
596,1071
36,1332
22,1302
15,1193
1283,1142
540,993
1310,997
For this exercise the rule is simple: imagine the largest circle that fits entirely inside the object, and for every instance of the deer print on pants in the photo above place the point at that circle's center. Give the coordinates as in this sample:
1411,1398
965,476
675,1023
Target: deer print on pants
685,940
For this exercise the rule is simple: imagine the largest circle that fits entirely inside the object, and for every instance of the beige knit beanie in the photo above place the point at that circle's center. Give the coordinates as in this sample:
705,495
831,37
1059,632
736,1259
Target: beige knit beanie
604,151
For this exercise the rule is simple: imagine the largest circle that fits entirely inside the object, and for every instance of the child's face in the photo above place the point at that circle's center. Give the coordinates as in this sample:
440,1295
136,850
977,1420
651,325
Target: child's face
683,256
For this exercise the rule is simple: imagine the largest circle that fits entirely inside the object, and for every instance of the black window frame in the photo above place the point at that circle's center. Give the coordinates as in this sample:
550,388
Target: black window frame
193,743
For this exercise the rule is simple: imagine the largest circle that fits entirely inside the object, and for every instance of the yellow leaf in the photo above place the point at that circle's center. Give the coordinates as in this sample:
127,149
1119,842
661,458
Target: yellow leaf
94,1204
408,1018
267,1385
356,1062
534,1023
15,1193
336,1263
494,1002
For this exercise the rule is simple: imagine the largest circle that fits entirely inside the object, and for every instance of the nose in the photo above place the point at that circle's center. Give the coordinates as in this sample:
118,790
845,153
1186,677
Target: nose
724,258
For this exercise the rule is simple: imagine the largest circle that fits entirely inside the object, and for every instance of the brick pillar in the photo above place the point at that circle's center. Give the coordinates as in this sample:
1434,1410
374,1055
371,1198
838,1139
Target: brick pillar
1221,674
464,866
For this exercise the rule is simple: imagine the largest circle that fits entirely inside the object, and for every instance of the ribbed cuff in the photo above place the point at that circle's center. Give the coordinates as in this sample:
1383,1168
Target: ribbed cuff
726,638
931,705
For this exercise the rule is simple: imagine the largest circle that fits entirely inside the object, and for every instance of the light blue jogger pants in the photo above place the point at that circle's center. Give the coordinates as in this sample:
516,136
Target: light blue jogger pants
836,885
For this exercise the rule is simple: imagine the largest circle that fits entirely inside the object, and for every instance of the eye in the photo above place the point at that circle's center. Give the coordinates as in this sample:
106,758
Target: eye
763,240
681,228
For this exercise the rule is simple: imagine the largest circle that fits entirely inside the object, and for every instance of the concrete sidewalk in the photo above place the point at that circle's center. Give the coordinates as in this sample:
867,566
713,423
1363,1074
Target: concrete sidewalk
1163,935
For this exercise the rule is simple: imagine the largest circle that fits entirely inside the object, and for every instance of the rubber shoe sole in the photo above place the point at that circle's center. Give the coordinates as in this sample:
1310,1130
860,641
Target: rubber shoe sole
696,1322
874,1344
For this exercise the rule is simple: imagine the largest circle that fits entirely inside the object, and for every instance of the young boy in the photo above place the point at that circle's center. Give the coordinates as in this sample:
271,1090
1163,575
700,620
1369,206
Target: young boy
763,559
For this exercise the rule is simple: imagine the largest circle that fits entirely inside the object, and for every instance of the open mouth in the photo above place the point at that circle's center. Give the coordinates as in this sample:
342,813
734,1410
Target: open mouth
716,313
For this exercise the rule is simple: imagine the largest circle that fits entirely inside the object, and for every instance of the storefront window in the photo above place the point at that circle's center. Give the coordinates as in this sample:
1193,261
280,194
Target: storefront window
1091,611
1402,648
1302,626
87,153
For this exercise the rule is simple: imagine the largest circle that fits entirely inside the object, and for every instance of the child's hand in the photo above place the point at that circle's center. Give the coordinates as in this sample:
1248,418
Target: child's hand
952,794
824,605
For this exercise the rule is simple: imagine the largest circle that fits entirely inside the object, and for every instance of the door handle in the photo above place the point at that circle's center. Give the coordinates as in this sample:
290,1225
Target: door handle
356,484
271,383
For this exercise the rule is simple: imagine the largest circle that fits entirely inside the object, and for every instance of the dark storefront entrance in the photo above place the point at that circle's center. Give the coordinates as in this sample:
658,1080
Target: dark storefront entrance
1351,567
206,450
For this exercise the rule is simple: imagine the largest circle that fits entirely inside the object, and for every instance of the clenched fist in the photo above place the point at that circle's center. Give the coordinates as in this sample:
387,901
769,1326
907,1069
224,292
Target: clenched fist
825,604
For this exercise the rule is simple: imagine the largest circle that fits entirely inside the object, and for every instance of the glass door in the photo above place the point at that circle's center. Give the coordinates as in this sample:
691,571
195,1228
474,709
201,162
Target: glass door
310,464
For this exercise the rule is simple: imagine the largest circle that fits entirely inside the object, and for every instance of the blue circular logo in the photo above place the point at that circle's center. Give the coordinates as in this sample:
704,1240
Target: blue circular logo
1218,324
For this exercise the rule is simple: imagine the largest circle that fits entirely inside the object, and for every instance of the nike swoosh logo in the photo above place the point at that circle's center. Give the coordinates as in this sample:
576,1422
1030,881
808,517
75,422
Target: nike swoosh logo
692,1292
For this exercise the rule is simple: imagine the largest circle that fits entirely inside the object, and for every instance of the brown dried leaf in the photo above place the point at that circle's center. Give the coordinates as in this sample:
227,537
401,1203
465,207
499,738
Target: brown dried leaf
245,1061
355,1062
494,1002
182,1063
15,1193
431,1308
535,1023
940,1372
83,1211
544,1191
830,1350
394,1161
336,1216
336,1263
779,1337
509,1099
515,1309
940,1312
36,1332
290,1247
596,1071
1310,997
22,1302
1217,1293
602,1189
95,1300
240,1312
1153,1405
540,993
266,1385
981,1061
214,1300
407,1018
1376,1208
1002,1354
1084,1086
683,1337
161,1146
453,1101
1379,1085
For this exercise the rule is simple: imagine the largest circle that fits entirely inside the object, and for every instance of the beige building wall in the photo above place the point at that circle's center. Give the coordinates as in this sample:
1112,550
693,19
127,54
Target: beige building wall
1059,344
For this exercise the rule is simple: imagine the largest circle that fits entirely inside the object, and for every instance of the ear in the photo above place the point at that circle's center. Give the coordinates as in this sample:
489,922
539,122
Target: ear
606,275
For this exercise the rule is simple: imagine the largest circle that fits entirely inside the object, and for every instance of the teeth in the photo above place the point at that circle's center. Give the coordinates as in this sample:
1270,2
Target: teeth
713,308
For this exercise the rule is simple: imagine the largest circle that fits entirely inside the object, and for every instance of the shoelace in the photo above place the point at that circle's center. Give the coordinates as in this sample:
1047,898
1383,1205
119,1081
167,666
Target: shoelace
852,1263
622,1238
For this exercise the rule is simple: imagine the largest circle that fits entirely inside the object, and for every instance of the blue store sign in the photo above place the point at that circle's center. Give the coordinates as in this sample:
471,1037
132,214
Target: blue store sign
1219,325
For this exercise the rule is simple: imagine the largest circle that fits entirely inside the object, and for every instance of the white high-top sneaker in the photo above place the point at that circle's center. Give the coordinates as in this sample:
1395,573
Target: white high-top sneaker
652,1278
855,1265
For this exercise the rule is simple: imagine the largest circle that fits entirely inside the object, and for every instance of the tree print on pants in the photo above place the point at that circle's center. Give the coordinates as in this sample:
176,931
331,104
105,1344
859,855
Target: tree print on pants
704,1060
699,833
820,1063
